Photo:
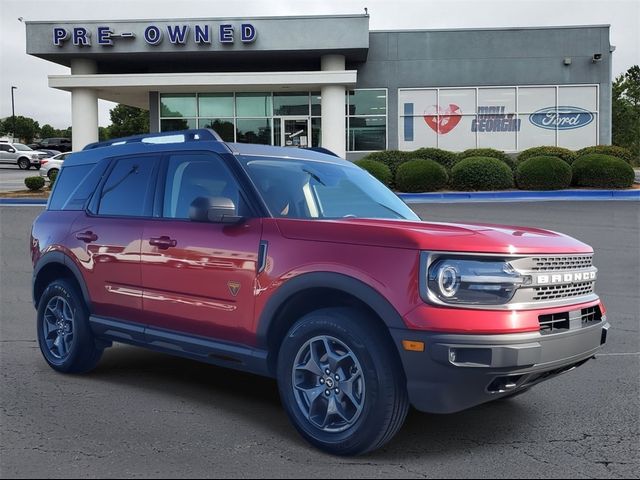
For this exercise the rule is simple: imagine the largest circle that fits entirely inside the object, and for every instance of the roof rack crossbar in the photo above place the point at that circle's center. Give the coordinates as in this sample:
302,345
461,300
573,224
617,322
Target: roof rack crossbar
194,135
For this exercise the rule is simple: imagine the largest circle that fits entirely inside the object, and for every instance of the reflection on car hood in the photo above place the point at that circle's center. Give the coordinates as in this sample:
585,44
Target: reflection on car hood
458,237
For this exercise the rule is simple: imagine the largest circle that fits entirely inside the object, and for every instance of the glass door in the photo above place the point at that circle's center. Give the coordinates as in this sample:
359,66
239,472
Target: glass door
294,132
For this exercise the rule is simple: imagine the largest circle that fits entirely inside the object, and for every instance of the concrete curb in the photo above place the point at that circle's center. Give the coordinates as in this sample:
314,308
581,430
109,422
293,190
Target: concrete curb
22,201
522,196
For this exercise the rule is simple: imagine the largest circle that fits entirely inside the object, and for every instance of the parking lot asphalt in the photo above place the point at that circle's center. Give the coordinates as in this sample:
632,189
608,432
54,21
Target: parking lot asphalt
12,178
143,414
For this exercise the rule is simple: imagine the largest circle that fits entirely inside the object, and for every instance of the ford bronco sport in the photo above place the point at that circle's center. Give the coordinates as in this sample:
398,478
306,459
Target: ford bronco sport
298,265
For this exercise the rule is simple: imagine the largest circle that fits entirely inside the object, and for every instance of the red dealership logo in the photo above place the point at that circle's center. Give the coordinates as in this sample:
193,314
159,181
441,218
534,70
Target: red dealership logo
442,120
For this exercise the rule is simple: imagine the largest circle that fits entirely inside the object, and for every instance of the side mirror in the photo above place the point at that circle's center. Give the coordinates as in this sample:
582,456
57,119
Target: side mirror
12,150
214,210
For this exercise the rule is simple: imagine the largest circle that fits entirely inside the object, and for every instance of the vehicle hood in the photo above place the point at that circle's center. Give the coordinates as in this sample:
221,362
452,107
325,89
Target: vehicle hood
456,237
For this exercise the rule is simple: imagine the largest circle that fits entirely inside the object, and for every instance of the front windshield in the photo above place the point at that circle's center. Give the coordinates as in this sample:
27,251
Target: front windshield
311,189
20,147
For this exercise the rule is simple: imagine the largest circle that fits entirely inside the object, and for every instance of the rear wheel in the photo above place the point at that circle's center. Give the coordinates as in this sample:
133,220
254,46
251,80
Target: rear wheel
24,164
53,171
341,382
64,334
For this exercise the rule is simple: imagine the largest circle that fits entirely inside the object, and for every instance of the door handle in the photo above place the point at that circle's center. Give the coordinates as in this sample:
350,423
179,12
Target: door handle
163,242
87,237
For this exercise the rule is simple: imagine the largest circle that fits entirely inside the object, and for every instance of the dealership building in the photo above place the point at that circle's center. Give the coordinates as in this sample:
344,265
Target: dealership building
329,81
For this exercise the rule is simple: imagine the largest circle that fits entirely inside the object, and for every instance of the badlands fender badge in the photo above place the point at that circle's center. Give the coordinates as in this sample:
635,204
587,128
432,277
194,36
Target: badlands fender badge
234,288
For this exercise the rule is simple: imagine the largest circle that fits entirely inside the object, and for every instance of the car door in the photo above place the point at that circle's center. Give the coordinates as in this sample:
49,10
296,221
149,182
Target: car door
107,237
198,277
5,153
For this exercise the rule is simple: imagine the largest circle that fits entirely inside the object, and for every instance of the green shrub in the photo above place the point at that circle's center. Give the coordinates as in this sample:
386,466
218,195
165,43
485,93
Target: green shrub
391,158
420,175
377,169
611,150
481,173
52,179
602,171
444,157
562,153
488,152
543,173
34,183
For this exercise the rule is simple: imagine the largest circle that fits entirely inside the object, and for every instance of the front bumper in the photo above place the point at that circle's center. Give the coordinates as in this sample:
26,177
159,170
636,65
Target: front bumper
459,371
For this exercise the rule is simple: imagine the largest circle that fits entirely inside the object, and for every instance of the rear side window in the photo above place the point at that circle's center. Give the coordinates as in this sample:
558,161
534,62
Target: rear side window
73,187
128,191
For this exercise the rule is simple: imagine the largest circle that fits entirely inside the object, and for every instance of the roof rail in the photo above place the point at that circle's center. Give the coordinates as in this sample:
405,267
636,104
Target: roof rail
195,135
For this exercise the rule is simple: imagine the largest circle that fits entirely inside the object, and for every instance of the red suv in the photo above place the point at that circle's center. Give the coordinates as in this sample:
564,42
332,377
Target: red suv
298,265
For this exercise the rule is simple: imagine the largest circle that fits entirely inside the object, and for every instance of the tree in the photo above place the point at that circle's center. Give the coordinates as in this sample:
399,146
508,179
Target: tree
47,131
626,110
127,121
25,128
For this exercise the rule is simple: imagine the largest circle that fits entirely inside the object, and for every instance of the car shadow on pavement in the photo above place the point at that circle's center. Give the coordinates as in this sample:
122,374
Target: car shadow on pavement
257,401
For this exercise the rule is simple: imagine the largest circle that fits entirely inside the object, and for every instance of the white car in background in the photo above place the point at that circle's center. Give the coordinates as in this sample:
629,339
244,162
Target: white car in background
53,164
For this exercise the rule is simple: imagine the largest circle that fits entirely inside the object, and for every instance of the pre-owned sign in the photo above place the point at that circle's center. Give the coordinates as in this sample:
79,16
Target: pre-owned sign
180,34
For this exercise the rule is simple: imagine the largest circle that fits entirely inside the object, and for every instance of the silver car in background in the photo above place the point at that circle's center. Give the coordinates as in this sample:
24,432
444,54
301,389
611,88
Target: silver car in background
18,154
53,164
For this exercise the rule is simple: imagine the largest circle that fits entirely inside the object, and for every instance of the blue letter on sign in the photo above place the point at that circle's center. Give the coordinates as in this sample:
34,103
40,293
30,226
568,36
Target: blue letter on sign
60,35
202,34
81,37
226,33
248,33
152,35
408,122
177,33
104,36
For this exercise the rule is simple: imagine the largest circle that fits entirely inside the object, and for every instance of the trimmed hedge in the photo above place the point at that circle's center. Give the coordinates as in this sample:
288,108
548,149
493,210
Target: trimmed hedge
488,152
481,173
419,175
34,183
611,150
543,173
377,169
391,158
562,153
444,157
602,171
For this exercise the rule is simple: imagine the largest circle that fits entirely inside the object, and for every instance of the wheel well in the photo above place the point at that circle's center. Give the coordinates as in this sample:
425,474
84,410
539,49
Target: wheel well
49,273
307,301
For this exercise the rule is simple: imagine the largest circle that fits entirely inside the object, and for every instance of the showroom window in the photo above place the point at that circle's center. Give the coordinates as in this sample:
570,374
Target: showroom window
246,117
366,120
509,118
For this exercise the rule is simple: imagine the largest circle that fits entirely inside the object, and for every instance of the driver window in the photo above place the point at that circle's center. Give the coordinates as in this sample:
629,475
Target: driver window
194,175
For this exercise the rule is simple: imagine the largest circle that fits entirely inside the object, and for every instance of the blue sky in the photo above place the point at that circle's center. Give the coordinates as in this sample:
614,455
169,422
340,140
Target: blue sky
35,99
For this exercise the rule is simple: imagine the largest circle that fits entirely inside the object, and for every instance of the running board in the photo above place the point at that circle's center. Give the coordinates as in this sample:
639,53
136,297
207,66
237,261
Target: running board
202,349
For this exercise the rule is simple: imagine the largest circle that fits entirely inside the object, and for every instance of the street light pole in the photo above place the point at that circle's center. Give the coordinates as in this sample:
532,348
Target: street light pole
13,115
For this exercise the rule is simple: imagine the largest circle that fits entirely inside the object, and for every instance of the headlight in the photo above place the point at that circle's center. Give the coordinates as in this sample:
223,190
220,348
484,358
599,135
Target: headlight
473,281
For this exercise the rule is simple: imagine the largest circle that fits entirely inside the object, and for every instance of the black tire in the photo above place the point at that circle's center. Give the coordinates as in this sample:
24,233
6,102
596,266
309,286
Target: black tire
50,172
83,354
38,167
384,400
24,164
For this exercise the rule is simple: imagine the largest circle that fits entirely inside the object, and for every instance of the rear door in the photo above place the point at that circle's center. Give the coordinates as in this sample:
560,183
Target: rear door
199,278
107,237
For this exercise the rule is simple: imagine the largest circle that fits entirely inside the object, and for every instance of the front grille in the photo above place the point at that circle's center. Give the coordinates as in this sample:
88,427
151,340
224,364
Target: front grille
554,323
573,320
555,292
553,264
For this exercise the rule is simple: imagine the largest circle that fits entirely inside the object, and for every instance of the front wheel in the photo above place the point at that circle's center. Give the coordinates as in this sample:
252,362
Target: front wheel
341,382
24,164
64,334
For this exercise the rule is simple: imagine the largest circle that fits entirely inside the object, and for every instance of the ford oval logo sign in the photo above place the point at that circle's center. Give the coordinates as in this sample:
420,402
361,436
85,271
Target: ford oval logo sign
564,118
